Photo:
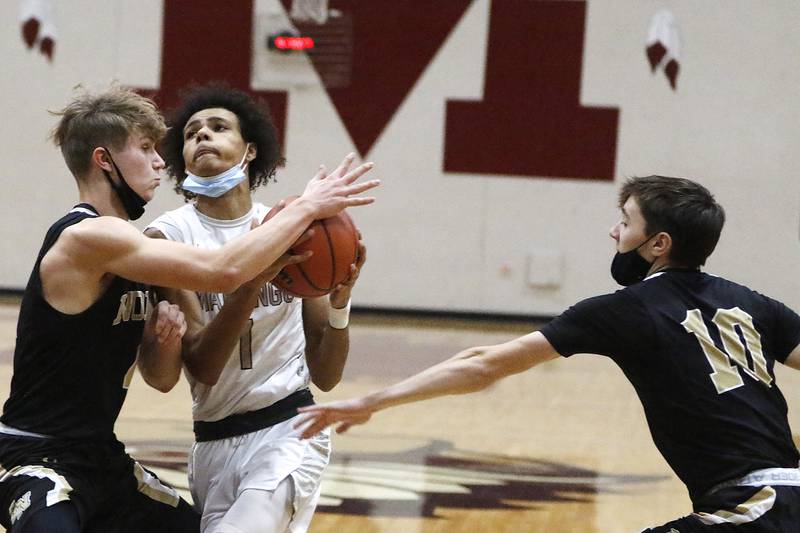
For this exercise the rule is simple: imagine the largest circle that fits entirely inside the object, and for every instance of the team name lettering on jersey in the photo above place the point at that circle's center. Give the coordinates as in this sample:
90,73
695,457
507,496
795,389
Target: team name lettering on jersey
210,301
19,506
133,305
268,296
272,295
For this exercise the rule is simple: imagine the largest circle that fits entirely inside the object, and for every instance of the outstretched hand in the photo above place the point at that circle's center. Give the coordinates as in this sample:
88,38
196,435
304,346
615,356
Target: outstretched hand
331,192
345,413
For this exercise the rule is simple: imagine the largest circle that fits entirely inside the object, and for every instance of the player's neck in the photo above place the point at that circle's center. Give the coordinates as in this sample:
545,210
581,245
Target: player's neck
99,194
661,263
232,205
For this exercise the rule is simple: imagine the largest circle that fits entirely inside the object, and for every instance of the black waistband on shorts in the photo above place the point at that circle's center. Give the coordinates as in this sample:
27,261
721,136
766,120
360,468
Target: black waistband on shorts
242,423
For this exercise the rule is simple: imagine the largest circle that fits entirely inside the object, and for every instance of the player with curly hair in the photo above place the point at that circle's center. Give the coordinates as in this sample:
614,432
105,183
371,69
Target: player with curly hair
249,355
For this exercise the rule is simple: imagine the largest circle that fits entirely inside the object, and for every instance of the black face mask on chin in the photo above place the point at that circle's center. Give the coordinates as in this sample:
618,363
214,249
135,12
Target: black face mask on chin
629,267
132,202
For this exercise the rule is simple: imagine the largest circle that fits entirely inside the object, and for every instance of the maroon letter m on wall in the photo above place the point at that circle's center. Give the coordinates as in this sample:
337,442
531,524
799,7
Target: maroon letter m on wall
530,122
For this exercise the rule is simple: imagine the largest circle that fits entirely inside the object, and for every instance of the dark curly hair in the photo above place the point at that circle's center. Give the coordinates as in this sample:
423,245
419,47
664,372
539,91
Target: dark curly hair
254,120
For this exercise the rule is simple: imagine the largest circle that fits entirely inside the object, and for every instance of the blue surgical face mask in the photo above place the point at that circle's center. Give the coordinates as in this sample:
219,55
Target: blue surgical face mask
216,186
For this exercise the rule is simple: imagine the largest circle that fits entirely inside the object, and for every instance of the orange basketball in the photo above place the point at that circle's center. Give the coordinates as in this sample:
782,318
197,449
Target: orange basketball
335,247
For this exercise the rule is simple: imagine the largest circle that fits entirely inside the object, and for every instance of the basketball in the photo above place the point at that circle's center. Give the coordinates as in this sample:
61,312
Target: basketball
335,247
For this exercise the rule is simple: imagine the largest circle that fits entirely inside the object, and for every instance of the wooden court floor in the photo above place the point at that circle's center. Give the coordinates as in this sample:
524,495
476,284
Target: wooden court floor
561,448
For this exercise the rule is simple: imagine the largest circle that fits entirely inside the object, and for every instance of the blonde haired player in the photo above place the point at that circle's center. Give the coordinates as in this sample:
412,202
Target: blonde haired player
86,312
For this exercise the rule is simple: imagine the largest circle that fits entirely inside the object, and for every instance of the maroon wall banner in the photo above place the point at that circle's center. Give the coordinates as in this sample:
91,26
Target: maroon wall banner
206,40
530,122
393,43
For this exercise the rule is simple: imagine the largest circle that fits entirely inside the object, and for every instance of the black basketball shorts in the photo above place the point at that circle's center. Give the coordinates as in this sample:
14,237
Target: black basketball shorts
742,509
110,491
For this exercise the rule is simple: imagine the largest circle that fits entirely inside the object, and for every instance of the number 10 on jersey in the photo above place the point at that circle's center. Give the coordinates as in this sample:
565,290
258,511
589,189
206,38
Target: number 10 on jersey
726,364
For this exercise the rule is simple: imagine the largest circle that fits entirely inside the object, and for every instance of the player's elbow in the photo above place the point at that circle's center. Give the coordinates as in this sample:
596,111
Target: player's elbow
482,377
327,383
324,378
225,279
480,372
162,383
165,387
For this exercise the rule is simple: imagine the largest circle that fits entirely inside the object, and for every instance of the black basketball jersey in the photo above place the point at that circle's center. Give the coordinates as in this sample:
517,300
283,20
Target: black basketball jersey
700,352
71,371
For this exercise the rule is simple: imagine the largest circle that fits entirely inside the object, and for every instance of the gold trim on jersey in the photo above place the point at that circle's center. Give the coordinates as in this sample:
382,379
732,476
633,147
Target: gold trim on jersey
126,381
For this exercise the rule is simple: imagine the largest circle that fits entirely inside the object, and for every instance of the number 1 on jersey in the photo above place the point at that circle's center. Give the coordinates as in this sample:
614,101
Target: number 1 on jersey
726,375
246,346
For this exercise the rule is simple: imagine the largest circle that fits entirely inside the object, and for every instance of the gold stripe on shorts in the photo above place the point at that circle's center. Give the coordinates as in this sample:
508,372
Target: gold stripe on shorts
150,486
752,509
61,487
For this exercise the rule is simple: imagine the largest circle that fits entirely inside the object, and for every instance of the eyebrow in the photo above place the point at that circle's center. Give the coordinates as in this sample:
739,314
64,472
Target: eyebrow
209,119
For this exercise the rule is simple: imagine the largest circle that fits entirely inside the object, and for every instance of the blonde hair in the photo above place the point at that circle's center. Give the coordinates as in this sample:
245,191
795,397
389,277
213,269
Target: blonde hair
102,119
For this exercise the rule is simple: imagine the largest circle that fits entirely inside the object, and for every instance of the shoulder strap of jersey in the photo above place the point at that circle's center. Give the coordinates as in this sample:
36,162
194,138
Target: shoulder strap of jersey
75,215
86,209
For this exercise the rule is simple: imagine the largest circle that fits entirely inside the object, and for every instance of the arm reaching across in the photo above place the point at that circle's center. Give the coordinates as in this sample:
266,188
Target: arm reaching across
207,347
90,251
471,370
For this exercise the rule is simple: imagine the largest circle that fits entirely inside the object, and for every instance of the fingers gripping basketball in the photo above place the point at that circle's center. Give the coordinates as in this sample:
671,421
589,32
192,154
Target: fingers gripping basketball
334,244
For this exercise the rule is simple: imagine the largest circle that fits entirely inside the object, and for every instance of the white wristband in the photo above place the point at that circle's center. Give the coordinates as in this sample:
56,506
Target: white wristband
339,318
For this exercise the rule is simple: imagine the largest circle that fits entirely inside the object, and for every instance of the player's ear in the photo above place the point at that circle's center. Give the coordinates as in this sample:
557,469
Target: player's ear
100,158
252,151
662,244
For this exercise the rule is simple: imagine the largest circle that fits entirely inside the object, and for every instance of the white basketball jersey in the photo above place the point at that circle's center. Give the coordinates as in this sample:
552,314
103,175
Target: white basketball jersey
269,363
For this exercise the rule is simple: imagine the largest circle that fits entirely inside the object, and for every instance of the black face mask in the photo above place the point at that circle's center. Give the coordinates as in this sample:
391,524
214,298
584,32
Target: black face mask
132,202
629,267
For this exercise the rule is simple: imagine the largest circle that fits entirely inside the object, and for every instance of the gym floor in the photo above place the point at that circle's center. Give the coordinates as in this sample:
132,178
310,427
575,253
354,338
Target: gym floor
561,448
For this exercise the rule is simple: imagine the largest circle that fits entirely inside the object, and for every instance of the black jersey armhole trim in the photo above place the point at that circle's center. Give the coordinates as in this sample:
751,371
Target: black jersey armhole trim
66,221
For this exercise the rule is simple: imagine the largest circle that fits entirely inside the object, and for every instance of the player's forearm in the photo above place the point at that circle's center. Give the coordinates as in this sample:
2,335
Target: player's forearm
159,364
326,362
472,370
245,257
462,374
206,352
